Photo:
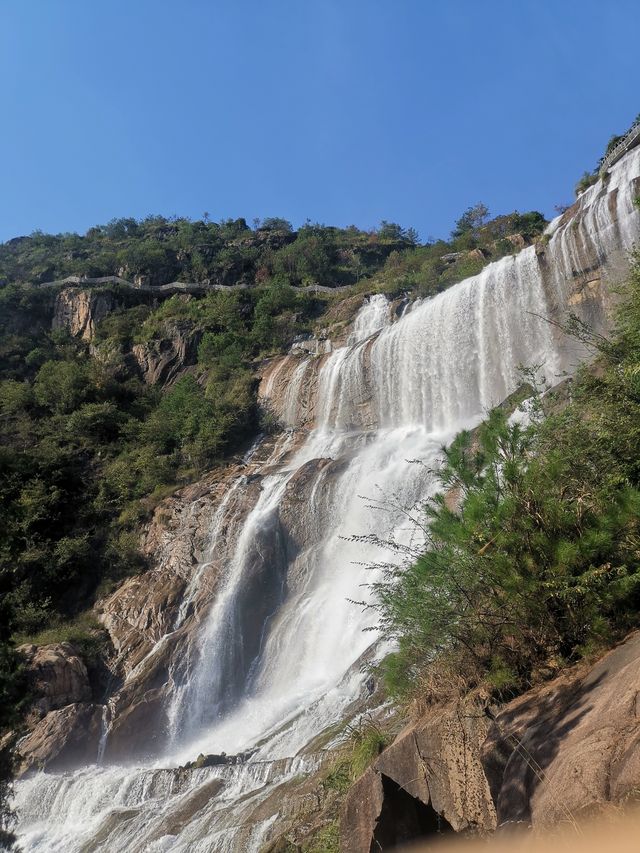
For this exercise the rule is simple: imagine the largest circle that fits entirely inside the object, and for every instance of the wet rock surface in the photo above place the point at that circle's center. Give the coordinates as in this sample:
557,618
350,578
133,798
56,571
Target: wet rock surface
288,389
299,491
215,760
138,731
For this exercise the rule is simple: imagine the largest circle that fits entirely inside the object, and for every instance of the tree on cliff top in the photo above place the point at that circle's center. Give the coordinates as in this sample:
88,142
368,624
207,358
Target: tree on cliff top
471,220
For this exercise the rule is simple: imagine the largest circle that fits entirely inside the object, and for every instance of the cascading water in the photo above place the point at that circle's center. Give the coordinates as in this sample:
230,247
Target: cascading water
372,320
276,660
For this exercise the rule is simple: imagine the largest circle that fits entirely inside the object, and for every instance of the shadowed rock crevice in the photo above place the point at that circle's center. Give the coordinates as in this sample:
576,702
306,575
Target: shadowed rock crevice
404,818
428,781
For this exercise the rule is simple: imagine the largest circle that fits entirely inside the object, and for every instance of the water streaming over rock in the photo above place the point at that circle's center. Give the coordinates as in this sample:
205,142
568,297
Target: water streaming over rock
277,658
375,316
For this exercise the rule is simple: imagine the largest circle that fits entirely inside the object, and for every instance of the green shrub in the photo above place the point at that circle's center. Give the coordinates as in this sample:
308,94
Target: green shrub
14,397
325,840
587,180
84,632
61,386
361,745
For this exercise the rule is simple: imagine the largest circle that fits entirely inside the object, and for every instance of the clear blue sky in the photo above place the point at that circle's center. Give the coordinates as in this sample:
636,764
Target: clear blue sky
342,111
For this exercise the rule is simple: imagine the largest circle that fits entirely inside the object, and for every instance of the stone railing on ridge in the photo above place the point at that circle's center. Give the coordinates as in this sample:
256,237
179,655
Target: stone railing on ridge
175,286
628,141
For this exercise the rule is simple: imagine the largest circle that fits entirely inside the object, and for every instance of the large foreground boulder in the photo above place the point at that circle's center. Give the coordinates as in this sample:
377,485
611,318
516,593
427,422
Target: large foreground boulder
570,747
567,749
428,782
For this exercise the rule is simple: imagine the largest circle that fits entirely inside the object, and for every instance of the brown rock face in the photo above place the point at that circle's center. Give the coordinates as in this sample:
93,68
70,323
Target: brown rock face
298,492
162,360
63,739
570,746
517,241
140,612
176,542
290,384
289,389
139,730
141,616
565,749
64,726
80,310
428,782
57,675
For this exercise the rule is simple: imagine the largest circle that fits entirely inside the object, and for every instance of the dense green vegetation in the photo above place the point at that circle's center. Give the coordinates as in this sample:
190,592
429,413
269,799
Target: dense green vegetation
538,561
89,447
156,251
428,269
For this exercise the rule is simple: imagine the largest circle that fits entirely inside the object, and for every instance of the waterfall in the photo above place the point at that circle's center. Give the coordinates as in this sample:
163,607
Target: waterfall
104,733
372,318
278,657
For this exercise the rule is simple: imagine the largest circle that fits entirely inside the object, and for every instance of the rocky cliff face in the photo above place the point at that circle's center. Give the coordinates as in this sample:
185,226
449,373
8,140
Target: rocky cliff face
446,362
564,750
162,360
153,616
64,739
571,746
64,724
57,676
80,310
